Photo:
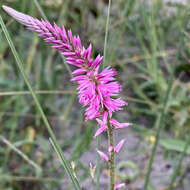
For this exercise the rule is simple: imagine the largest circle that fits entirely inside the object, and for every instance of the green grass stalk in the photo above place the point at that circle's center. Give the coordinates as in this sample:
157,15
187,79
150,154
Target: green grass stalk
64,162
40,9
159,128
24,156
106,33
177,170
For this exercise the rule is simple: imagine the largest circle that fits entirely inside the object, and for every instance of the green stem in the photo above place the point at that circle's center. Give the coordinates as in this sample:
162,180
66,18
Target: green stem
159,128
106,34
40,9
112,155
19,63
176,172
98,165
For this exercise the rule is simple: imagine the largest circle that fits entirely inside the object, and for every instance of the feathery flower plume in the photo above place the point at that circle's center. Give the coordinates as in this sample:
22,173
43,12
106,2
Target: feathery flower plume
97,91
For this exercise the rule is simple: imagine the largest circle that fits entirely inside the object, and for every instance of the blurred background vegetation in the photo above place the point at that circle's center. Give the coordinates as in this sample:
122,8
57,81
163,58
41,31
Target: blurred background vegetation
148,44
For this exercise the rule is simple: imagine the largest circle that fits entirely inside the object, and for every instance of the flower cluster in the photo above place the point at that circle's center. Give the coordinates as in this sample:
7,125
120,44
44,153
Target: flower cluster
97,90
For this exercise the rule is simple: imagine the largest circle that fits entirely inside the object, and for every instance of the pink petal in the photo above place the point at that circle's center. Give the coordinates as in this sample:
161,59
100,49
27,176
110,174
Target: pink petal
117,186
70,35
104,117
68,54
100,122
20,17
100,130
110,148
97,61
118,125
119,145
88,52
103,156
78,78
78,71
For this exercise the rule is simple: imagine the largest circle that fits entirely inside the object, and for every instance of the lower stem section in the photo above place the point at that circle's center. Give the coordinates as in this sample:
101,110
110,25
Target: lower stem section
112,159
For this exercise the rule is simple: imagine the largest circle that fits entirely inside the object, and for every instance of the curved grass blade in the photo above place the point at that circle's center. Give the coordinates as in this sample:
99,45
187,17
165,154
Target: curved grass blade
106,33
176,172
159,129
65,163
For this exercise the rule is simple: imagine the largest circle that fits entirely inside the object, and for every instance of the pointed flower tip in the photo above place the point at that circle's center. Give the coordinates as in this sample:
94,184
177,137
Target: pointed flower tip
9,10
5,7
117,186
103,155
119,145
100,130
118,125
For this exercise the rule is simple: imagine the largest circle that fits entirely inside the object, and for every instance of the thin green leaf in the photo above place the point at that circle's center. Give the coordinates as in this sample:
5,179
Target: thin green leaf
64,162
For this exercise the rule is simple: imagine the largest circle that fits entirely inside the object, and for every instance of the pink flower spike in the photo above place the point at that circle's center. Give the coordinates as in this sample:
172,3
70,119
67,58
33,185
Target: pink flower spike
120,185
118,125
100,130
119,145
103,155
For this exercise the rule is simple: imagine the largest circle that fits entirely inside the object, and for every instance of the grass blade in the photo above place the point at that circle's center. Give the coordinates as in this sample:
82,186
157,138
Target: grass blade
159,128
106,34
176,172
24,156
65,163
40,9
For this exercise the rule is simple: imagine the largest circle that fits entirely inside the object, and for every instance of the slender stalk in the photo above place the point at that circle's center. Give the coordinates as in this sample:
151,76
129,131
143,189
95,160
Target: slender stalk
176,172
106,34
112,155
98,165
98,138
65,163
159,128
40,9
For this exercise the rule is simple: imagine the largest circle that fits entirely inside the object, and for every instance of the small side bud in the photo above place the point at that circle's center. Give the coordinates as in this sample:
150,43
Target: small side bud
92,170
119,145
73,166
